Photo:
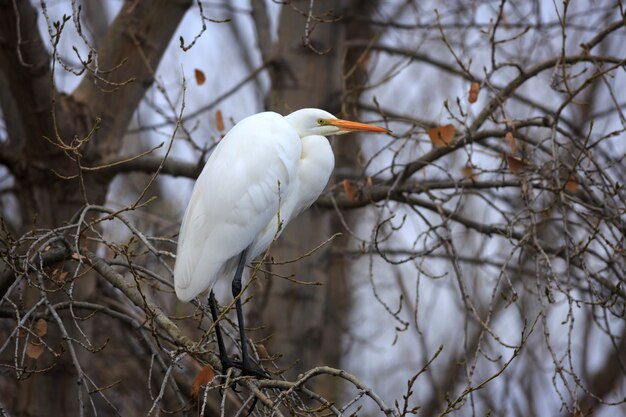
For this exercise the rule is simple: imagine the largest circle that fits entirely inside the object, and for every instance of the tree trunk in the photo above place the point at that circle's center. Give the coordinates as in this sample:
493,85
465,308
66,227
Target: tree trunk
51,135
306,323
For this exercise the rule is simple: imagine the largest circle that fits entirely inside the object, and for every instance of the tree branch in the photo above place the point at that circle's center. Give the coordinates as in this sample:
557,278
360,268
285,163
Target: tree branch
152,311
155,313
127,61
447,67
252,76
50,257
149,164
506,92
261,20
25,64
382,192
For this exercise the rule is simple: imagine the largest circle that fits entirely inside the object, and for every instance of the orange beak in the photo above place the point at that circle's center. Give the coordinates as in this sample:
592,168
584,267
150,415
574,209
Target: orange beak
356,126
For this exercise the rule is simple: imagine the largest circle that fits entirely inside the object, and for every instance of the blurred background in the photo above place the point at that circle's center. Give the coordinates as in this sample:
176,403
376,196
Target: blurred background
471,262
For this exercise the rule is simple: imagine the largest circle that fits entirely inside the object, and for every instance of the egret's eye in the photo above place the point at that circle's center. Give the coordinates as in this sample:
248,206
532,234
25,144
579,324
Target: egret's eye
321,122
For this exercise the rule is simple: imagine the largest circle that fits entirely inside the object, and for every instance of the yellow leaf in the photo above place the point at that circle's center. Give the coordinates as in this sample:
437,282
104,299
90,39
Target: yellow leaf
203,377
473,93
200,78
441,136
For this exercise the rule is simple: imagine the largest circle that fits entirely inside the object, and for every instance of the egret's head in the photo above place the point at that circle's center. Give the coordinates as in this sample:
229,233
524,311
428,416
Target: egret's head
319,122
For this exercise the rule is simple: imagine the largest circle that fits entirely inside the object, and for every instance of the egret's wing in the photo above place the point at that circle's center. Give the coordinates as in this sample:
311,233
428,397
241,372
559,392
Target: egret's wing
234,198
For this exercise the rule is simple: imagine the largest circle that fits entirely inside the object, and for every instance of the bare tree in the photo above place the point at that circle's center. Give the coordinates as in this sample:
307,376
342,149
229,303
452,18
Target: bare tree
471,263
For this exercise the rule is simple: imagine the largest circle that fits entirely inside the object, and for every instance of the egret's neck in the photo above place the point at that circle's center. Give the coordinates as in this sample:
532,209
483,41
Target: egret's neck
316,165
296,122
316,151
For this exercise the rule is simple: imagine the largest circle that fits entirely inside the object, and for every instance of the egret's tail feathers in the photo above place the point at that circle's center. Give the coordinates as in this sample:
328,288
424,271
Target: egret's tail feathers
193,278
183,274
193,275
184,294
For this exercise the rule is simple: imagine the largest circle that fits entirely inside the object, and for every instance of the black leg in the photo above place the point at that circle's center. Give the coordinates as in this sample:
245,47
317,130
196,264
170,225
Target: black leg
236,294
244,365
245,360
218,333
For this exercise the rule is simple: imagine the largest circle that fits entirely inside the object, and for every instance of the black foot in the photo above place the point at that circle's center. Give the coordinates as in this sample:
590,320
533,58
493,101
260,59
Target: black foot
246,371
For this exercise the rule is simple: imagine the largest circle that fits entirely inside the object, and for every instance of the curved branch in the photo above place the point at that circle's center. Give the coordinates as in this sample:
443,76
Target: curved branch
327,370
604,33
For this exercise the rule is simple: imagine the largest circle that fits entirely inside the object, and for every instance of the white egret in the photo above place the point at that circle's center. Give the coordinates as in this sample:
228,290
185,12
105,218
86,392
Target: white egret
233,213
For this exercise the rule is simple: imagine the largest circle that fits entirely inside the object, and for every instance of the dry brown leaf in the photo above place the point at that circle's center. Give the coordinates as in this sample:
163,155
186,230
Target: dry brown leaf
473,93
441,135
515,164
350,189
262,351
585,48
200,78
58,276
219,121
467,171
370,182
34,350
41,327
511,141
572,184
546,213
79,257
203,377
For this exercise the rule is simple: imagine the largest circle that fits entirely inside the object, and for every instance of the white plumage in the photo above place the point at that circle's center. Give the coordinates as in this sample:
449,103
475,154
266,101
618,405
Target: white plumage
235,201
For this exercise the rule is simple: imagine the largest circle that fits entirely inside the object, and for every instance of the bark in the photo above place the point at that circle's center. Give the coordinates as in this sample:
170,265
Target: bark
44,150
307,323
43,121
